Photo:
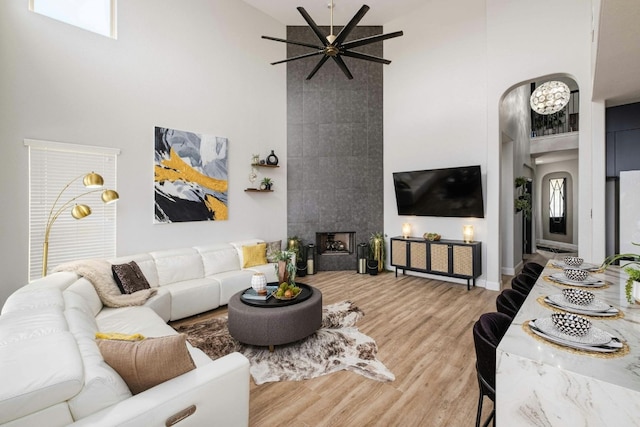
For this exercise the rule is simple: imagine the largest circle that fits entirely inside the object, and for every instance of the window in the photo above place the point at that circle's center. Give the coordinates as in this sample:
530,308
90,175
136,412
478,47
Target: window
557,206
52,166
98,16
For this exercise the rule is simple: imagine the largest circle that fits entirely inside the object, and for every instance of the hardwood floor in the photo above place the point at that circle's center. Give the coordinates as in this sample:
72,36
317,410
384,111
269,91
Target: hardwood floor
423,331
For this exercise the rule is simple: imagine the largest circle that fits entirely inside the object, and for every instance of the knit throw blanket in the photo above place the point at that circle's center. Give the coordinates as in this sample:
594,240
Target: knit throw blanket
98,272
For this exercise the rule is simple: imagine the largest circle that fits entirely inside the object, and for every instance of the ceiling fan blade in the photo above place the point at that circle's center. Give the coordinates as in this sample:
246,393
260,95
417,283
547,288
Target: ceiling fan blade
292,42
359,55
343,67
342,35
293,58
371,39
313,26
317,67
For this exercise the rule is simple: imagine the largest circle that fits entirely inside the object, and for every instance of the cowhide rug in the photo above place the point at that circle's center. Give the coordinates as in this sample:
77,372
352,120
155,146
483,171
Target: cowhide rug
337,345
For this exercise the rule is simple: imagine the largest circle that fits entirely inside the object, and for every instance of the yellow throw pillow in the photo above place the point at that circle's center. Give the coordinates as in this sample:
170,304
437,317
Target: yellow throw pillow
147,363
254,255
118,336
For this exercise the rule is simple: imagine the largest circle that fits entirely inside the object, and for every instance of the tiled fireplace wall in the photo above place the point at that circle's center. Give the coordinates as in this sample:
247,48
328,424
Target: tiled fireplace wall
334,145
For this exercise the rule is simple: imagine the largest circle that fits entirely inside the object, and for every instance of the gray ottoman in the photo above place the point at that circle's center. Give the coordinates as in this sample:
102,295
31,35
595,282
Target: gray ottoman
269,326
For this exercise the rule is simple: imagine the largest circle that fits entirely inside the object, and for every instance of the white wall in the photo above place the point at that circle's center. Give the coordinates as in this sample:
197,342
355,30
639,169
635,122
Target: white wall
193,65
435,104
443,90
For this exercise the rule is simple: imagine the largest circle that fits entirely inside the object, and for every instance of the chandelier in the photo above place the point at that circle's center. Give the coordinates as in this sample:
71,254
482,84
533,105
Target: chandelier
550,97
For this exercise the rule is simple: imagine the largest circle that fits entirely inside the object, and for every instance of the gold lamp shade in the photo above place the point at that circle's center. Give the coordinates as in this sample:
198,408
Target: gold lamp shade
80,211
110,196
93,180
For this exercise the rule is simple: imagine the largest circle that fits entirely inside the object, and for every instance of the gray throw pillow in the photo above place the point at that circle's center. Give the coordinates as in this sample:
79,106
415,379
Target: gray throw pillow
272,250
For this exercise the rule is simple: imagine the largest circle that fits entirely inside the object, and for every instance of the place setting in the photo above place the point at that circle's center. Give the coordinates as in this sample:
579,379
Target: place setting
579,301
575,262
574,276
576,332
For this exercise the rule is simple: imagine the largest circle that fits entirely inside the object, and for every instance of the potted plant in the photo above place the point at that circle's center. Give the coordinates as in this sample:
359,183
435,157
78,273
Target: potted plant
522,203
633,272
286,266
266,184
376,245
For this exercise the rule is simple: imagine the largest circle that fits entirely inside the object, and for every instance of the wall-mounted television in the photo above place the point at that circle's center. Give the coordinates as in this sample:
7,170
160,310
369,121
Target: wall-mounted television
450,192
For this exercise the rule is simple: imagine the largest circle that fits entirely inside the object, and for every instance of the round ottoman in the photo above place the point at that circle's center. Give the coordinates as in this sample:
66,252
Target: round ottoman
269,326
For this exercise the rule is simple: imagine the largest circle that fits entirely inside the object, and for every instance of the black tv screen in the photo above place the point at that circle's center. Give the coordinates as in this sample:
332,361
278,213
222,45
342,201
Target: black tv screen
450,192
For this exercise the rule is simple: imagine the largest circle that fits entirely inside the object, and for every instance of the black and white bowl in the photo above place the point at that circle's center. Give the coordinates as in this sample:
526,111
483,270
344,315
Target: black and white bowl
578,296
571,324
573,261
576,274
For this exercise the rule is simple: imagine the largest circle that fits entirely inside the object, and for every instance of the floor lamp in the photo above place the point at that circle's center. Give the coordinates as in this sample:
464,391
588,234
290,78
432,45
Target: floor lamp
91,180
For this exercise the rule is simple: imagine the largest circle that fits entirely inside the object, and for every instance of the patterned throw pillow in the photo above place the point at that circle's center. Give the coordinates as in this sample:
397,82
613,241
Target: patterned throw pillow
149,362
272,250
129,277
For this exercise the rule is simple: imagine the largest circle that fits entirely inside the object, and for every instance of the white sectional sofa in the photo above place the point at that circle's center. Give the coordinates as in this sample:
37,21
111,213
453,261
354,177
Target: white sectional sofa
53,373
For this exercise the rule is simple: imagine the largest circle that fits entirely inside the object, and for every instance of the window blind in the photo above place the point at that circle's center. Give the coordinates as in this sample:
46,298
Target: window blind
52,166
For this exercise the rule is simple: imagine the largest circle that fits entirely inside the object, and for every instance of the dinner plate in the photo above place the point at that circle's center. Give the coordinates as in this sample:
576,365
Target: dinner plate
584,266
613,312
613,346
595,306
590,282
594,336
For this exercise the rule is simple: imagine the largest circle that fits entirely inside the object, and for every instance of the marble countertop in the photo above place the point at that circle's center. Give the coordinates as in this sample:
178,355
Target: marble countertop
622,371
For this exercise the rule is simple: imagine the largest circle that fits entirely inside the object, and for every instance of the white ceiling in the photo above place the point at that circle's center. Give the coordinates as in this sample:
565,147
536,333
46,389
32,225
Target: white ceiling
381,12
617,64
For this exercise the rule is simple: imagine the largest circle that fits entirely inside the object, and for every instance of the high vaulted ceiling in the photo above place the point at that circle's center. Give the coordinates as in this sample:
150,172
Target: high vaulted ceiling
382,11
617,65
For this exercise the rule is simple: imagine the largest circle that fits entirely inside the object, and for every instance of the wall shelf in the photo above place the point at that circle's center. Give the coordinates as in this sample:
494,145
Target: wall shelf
257,190
258,165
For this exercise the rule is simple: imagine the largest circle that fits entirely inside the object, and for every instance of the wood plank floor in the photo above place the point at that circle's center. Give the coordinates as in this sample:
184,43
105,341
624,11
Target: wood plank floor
423,331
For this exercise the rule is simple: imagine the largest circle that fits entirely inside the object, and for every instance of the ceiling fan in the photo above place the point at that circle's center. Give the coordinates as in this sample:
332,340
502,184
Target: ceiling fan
334,46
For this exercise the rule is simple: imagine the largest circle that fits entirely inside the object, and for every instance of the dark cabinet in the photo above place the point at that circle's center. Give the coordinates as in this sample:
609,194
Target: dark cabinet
451,258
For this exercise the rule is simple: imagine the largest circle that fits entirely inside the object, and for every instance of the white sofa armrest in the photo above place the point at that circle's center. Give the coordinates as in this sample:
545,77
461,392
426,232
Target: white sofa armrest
219,391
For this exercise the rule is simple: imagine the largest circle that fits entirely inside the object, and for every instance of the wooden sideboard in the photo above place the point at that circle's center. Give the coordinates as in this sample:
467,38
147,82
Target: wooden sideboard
453,258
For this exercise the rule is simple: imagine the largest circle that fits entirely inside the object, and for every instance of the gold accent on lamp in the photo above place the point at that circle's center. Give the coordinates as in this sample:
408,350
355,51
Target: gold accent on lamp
79,211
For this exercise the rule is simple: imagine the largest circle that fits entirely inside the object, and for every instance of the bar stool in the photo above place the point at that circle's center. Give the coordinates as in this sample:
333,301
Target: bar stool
487,333
509,302
523,283
533,269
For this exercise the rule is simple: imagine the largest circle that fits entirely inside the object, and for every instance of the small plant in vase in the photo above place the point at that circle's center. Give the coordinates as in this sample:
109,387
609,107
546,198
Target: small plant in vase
286,267
632,272
266,184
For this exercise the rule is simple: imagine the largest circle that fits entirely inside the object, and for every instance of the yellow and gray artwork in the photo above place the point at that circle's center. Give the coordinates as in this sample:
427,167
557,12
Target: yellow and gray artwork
191,176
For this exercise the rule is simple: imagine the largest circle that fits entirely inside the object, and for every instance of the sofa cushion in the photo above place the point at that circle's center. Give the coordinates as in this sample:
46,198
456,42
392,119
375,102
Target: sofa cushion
85,289
29,324
102,387
218,258
34,299
232,282
129,277
254,255
149,362
177,265
192,297
133,320
33,379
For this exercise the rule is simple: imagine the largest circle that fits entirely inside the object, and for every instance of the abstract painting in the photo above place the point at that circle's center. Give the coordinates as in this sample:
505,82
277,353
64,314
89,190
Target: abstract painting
191,176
